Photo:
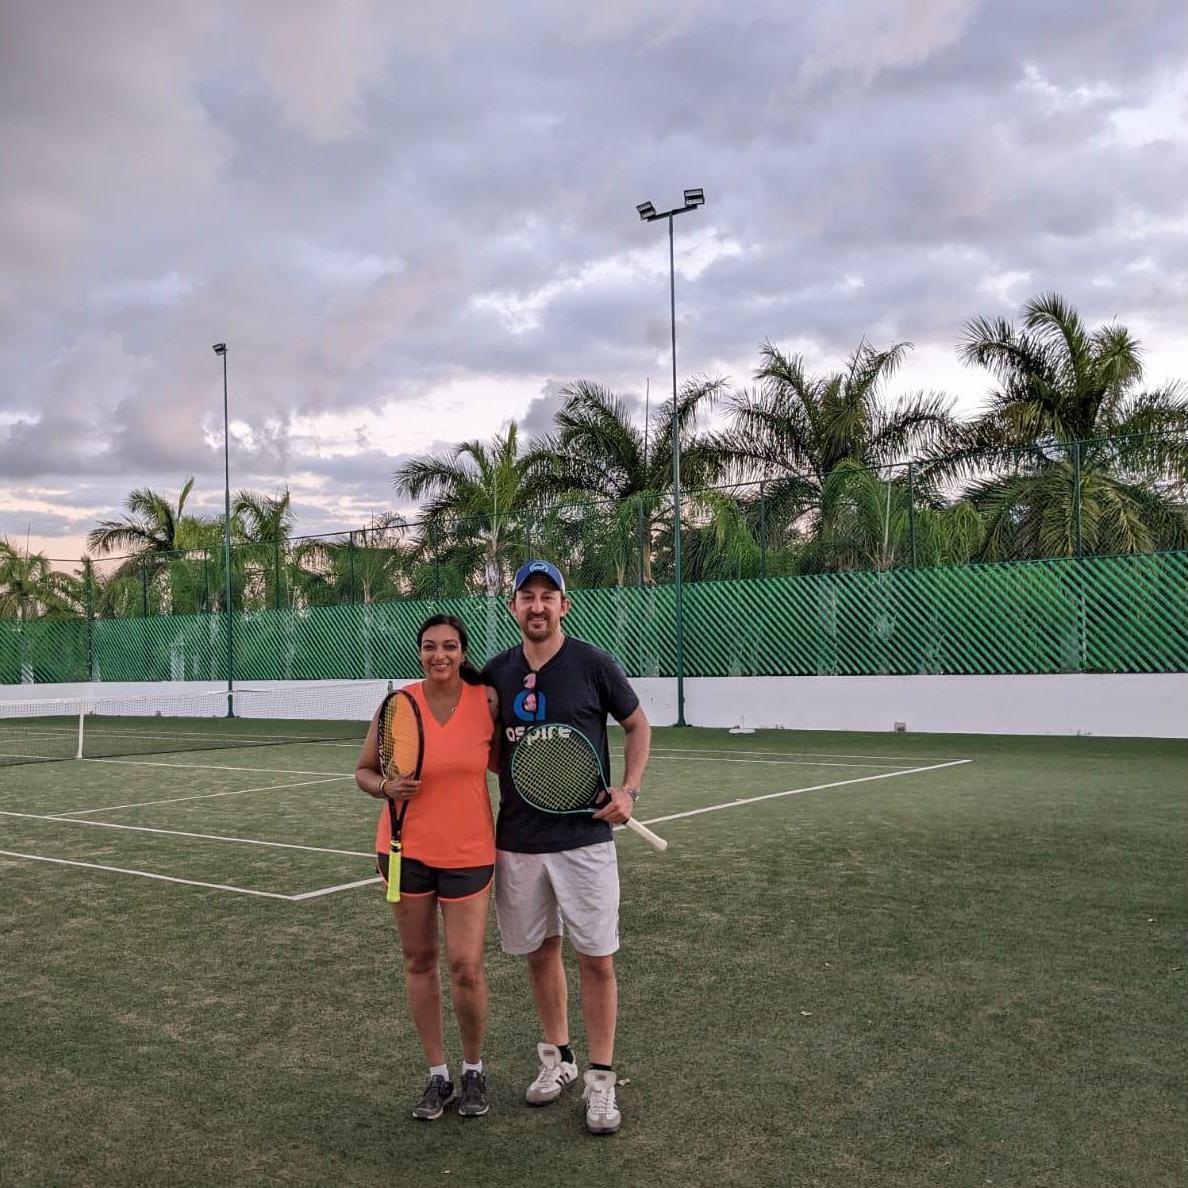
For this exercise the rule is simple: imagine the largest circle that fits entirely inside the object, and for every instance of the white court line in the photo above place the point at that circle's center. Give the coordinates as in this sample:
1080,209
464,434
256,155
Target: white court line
33,758
693,757
333,890
145,874
211,767
246,841
797,754
885,775
111,808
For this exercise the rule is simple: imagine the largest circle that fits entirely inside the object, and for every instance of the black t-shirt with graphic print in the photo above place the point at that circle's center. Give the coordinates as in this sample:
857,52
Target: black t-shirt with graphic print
578,687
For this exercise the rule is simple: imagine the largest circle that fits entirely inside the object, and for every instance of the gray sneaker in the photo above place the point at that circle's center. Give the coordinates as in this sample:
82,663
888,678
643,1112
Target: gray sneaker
553,1076
438,1094
602,1115
472,1103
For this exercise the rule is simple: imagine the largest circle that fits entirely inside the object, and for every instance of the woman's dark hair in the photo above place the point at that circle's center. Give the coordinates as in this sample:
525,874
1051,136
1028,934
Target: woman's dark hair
466,670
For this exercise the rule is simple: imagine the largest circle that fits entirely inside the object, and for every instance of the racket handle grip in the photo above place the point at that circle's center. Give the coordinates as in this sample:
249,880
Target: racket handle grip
651,838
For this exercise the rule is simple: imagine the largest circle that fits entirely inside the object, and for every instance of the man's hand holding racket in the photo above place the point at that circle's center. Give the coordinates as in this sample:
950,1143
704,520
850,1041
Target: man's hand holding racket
618,809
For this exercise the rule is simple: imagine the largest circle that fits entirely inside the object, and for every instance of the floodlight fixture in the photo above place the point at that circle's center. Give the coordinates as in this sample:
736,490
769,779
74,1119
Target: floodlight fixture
694,197
219,348
646,210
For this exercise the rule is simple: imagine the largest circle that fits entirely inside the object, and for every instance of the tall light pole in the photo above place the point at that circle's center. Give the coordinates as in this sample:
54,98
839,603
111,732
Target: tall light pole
649,214
220,349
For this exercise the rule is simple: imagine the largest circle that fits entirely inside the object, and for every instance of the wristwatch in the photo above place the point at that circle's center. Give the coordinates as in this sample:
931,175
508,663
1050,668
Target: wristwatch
632,792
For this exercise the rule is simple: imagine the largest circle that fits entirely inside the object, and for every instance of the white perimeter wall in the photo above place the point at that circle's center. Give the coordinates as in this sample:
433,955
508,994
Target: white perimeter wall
1140,706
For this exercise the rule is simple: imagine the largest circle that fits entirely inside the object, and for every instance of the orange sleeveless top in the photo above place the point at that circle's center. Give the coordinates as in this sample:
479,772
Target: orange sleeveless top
449,822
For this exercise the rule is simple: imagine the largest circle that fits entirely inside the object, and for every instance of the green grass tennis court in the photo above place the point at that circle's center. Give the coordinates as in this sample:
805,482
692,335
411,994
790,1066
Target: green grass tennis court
864,960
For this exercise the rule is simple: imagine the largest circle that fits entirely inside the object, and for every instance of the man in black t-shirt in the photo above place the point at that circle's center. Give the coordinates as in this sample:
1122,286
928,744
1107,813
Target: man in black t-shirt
560,871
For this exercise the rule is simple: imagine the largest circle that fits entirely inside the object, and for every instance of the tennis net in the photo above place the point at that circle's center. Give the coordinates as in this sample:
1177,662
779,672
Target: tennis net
169,722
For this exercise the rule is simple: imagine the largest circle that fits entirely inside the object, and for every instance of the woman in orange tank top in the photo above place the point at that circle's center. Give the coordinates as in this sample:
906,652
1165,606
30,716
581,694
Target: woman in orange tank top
448,859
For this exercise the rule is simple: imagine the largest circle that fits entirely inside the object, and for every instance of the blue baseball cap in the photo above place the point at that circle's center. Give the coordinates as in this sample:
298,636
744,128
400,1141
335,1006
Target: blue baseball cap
544,568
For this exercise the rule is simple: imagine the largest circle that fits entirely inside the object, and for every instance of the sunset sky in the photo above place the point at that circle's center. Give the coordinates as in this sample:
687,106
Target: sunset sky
415,222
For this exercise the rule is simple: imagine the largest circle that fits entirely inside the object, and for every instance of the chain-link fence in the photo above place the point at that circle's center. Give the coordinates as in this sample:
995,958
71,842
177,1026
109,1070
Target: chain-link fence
1092,614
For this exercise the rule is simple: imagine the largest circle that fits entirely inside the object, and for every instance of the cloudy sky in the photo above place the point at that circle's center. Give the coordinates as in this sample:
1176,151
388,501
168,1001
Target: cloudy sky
413,222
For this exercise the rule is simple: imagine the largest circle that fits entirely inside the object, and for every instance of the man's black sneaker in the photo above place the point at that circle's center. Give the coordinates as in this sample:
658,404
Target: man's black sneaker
473,1102
438,1094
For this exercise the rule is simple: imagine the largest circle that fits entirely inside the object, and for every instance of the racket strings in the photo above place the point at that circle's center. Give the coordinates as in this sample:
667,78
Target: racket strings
400,737
558,774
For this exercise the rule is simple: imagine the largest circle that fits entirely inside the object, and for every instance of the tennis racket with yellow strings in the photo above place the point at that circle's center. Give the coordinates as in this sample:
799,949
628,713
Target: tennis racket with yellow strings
402,749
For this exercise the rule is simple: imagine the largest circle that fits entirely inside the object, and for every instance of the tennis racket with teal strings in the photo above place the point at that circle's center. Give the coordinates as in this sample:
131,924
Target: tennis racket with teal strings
556,769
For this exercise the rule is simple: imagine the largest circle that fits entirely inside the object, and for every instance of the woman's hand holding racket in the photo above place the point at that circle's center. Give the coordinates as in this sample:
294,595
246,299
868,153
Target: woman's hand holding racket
401,788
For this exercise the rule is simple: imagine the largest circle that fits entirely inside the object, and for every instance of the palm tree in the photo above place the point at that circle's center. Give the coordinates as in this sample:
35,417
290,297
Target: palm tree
1093,463
152,525
876,519
476,494
601,477
804,437
264,524
154,535
368,565
30,588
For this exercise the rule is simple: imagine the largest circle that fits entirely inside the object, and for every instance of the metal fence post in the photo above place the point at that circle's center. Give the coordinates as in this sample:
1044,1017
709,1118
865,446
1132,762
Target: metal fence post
351,564
640,541
1082,618
144,590
762,531
911,493
276,599
1076,459
88,595
436,563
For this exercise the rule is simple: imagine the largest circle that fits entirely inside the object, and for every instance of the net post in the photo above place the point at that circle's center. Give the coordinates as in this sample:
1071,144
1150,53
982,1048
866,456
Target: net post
82,714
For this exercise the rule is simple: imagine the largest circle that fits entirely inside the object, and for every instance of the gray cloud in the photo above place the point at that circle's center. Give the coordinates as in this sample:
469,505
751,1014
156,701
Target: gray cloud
381,207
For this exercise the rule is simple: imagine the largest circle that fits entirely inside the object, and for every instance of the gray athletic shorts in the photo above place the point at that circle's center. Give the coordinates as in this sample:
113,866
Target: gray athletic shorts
539,895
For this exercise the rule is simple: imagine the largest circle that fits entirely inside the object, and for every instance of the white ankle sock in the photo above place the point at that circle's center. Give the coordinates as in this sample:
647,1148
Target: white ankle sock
440,1070
468,1067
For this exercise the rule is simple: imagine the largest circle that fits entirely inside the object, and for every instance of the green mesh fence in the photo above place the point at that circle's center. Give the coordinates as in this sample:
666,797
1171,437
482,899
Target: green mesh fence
1111,614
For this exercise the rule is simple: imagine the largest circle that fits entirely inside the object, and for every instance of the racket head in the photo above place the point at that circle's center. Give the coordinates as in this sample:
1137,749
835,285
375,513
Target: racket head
401,736
556,769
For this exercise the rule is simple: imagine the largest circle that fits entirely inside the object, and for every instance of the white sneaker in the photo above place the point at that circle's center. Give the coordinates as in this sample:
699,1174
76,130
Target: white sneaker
602,1115
553,1076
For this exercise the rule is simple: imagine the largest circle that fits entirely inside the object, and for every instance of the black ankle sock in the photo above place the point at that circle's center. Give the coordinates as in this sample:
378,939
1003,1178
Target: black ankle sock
566,1053
601,1067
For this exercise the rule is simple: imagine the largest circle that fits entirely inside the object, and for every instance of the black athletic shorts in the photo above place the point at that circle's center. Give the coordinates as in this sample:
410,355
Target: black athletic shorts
447,883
